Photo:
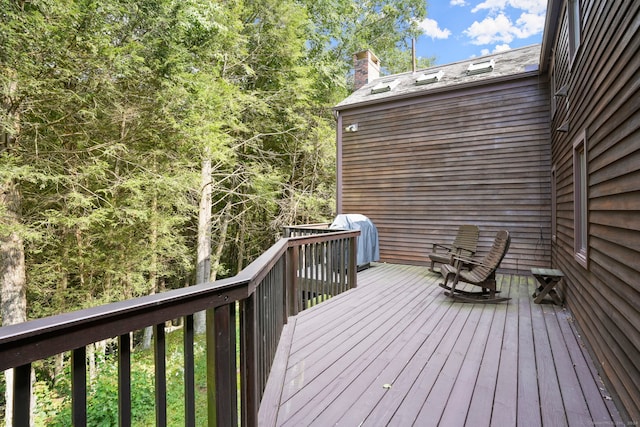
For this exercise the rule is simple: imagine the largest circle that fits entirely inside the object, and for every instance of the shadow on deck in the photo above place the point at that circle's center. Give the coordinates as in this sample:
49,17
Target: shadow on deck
396,351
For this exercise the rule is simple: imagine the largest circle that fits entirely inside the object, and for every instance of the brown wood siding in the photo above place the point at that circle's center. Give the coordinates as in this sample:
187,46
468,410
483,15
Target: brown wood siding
603,100
420,168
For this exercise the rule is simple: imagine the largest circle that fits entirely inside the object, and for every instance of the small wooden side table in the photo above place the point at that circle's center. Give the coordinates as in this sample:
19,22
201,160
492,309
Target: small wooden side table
547,278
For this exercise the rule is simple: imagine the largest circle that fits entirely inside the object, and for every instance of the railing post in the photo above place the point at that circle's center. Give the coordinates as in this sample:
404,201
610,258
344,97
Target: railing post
21,395
250,402
211,369
291,273
79,386
124,380
189,373
353,262
159,353
221,366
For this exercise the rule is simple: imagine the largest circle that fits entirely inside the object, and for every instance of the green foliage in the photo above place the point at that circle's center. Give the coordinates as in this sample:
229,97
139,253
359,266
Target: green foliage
54,406
108,109
112,106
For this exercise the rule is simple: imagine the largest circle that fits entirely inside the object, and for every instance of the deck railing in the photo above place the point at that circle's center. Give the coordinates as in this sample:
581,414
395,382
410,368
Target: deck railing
307,229
293,274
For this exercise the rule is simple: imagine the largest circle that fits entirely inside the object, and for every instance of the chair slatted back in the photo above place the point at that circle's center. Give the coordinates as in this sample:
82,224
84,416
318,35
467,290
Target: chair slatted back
467,238
491,260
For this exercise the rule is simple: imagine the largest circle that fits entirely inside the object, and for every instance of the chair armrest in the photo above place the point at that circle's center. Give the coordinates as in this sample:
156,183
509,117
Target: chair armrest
443,246
466,252
466,260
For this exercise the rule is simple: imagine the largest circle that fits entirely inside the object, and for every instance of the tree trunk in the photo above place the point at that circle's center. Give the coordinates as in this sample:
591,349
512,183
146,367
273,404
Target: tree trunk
240,245
203,266
153,273
13,281
222,238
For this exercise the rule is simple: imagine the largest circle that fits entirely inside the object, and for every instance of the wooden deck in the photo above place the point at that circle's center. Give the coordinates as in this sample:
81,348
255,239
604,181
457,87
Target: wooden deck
396,351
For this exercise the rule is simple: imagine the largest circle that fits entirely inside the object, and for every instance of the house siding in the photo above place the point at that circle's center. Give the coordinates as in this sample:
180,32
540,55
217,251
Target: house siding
420,167
603,103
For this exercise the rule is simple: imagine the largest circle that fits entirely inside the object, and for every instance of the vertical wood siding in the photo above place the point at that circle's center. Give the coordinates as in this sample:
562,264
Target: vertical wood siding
603,100
422,167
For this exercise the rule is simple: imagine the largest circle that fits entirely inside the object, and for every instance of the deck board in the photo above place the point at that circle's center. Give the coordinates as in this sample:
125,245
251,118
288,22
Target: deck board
396,351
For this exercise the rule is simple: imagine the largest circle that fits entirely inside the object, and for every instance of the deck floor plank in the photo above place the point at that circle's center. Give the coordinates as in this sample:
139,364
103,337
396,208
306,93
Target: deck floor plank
528,393
390,357
396,351
350,341
504,407
601,408
396,359
348,360
575,406
454,413
551,404
459,366
402,403
483,393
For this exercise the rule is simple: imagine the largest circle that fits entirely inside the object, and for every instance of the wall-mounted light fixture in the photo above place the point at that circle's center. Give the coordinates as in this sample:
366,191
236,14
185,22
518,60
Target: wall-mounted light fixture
351,128
562,91
564,127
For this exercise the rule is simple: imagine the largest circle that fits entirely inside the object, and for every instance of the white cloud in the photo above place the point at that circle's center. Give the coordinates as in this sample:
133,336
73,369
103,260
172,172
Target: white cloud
529,6
431,29
498,48
501,48
491,5
500,29
458,3
491,30
529,24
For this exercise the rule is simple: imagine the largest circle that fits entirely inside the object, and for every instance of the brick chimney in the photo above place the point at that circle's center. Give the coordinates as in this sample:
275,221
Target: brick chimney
366,67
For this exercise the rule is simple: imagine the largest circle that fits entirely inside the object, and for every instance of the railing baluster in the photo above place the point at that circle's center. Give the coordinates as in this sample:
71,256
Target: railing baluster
353,262
301,280
189,373
21,395
264,343
292,285
314,276
211,369
343,266
79,386
270,310
225,366
259,308
161,375
331,267
280,279
323,268
124,380
308,283
251,387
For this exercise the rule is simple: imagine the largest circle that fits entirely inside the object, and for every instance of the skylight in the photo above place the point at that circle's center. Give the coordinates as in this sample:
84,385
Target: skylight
428,78
385,86
480,67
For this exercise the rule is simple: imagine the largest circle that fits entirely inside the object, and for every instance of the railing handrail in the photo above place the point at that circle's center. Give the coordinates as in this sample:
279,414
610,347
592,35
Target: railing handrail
42,337
319,225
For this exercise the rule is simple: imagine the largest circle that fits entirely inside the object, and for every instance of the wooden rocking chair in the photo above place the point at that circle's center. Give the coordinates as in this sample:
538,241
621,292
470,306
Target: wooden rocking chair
481,273
465,244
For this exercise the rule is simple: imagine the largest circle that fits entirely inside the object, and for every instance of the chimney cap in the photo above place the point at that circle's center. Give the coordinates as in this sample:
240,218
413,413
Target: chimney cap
364,54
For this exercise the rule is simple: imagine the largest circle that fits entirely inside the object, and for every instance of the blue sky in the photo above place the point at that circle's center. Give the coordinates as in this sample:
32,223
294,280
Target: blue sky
456,30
